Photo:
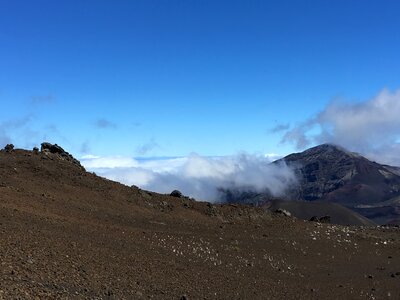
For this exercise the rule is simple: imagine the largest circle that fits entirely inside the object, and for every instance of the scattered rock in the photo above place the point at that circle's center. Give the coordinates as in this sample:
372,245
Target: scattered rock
35,150
211,209
9,148
145,194
283,212
139,294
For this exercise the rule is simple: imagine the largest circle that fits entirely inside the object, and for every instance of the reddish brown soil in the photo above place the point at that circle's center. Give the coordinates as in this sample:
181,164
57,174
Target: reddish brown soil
65,233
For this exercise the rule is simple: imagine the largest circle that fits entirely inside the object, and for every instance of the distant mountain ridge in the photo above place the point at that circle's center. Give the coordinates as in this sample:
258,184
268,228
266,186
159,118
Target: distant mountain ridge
331,173
325,170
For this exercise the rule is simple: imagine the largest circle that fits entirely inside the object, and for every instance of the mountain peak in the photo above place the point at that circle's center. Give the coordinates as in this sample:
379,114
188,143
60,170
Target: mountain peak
330,172
327,149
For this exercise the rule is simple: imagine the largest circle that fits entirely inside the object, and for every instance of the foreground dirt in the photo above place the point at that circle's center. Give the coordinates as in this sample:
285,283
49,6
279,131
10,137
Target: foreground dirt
66,233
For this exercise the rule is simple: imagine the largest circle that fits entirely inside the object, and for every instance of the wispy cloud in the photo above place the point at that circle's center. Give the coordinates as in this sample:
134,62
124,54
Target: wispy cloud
370,127
19,127
196,176
4,138
279,128
43,99
85,147
105,124
24,132
147,147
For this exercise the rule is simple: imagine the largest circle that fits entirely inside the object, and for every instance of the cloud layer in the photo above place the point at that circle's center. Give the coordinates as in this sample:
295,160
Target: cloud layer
196,176
371,127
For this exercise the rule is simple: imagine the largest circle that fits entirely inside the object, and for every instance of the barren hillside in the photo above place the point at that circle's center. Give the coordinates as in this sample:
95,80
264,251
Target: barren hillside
66,233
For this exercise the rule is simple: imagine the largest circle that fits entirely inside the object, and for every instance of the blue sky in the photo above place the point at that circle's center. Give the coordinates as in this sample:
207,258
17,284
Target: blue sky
167,78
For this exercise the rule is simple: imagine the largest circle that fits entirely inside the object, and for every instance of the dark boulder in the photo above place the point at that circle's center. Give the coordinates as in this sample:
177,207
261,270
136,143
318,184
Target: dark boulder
176,193
47,147
323,219
9,148
54,149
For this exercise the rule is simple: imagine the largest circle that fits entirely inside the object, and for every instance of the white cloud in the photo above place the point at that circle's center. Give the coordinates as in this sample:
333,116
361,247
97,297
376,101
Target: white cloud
163,165
196,176
94,162
273,156
371,127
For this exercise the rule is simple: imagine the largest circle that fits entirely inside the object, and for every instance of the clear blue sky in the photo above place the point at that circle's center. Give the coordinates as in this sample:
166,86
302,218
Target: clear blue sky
166,78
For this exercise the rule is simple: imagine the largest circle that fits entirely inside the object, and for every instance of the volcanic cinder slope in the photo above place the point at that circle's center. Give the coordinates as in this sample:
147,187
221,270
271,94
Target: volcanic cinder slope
66,233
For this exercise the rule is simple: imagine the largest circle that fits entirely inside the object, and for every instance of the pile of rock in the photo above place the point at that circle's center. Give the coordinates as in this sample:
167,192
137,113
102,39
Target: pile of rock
9,148
177,194
54,149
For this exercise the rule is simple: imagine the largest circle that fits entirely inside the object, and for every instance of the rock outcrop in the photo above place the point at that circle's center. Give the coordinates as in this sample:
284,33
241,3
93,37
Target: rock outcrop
54,149
9,148
176,193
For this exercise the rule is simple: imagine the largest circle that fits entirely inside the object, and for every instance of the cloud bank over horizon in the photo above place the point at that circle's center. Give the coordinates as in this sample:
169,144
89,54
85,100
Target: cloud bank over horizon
196,176
371,127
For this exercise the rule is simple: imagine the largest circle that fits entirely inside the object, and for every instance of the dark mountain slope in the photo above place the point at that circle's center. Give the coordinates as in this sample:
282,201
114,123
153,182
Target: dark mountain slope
299,208
331,173
325,169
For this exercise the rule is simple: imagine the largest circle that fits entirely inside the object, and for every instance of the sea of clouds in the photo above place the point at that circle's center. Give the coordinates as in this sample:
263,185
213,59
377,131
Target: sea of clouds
371,128
196,176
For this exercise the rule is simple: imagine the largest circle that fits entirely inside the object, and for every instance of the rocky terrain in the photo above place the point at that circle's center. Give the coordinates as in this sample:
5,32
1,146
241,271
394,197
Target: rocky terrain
69,234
